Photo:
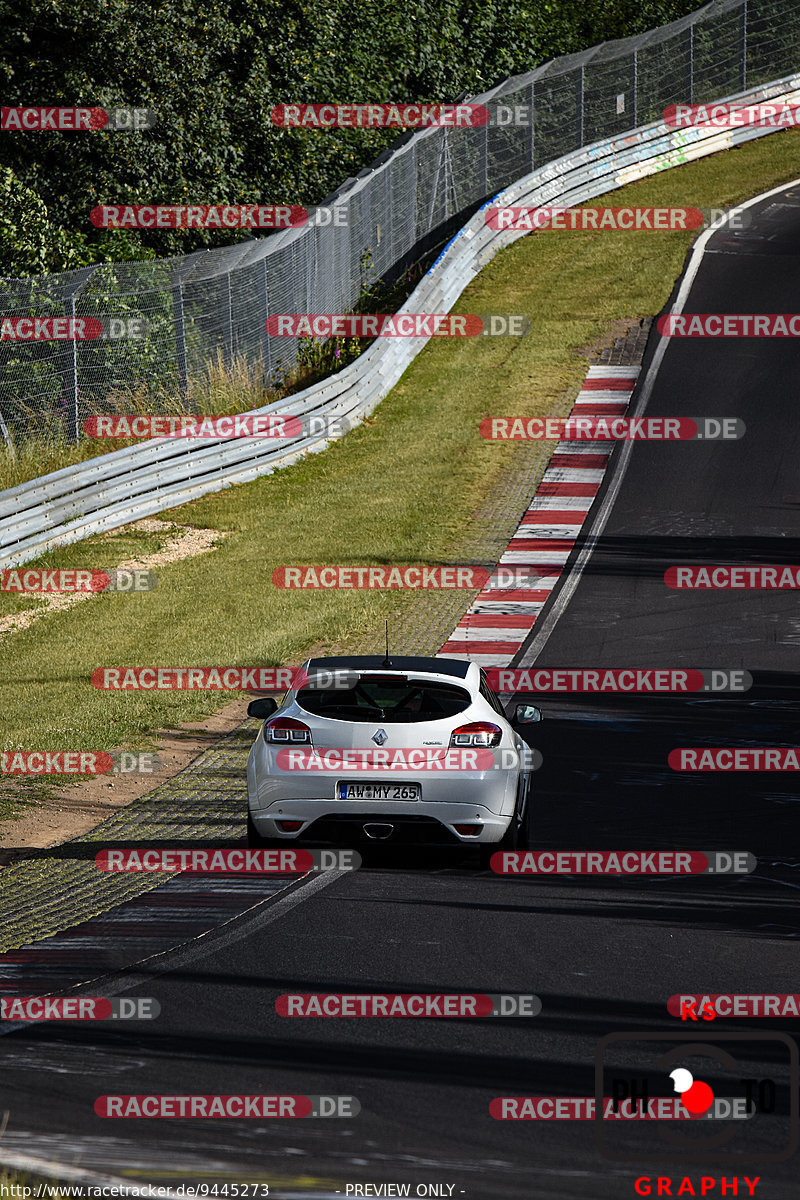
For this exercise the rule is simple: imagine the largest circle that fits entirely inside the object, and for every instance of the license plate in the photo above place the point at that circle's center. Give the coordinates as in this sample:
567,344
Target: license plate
379,791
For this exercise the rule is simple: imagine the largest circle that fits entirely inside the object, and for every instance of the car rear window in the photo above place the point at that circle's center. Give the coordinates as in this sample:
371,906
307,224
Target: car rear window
391,702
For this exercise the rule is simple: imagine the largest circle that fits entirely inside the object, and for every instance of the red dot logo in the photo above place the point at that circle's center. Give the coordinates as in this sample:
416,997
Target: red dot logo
696,1096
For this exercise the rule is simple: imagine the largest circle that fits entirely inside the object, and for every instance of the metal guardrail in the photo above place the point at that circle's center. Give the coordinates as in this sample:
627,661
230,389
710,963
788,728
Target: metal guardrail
114,489
212,306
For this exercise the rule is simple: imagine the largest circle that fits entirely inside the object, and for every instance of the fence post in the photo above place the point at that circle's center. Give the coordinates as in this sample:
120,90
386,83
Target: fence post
82,277
179,326
73,398
743,72
691,63
178,275
532,134
7,437
635,87
484,184
580,108
265,337
229,323
435,189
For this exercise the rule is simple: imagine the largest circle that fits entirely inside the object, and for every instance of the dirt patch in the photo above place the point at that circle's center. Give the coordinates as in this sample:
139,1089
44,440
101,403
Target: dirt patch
617,331
186,543
79,807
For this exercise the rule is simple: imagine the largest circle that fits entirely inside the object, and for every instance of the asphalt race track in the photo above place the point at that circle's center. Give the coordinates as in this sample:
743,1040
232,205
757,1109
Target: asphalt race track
603,955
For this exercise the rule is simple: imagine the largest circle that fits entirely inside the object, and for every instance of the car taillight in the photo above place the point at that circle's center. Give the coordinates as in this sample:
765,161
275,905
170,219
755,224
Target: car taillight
383,679
286,730
477,733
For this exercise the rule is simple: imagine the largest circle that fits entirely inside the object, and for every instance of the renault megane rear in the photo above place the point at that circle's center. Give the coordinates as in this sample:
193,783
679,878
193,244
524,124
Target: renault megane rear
395,750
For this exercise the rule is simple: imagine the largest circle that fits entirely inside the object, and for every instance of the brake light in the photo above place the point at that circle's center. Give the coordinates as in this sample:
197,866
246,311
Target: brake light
286,730
383,679
477,733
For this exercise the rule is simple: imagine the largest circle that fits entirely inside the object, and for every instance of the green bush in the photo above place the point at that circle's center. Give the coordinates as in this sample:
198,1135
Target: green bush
213,73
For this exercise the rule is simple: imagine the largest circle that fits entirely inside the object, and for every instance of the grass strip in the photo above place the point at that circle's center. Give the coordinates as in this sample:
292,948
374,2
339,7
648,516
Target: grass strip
405,487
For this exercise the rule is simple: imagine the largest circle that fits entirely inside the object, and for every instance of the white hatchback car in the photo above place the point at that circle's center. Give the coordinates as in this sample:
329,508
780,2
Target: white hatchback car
393,750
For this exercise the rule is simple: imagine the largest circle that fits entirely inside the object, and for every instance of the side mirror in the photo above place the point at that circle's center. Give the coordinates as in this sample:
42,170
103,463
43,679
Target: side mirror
262,708
527,714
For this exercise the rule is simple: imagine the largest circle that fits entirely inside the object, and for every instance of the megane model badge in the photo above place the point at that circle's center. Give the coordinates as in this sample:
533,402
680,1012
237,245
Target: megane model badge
380,737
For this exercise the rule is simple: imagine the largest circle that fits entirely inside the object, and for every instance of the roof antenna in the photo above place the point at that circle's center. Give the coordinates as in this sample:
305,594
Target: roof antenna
387,662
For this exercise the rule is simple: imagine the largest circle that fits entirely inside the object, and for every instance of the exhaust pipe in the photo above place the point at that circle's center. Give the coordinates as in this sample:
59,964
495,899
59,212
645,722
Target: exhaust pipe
378,832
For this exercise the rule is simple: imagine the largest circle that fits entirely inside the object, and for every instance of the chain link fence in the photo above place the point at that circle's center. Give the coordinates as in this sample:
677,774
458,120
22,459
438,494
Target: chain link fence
213,305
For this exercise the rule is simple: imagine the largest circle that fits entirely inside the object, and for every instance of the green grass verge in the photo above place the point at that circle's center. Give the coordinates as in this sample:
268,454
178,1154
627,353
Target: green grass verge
100,553
223,388
403,488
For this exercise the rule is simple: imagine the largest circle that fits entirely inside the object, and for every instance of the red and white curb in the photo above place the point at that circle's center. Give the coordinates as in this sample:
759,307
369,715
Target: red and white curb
497,623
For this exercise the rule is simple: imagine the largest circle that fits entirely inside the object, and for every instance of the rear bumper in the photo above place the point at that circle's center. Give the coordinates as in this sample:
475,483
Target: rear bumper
344,822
